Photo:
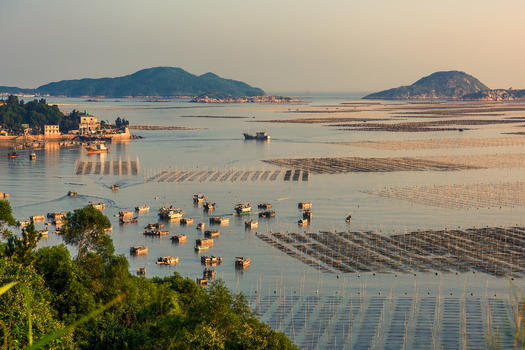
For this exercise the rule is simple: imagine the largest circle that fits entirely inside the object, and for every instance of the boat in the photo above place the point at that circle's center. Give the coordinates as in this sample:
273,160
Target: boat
124,221
141,271
264,206
32,156
243,209
186,221
251,224
208,206
12,155
302,222
142,208
43,233
212,233
99,206
304,205
179,239
199,248
23,223
96,148
170,213
308,215
115,187
108,229
138,250
198,198
202,282
201,226
209,274
72,194
155,226
204,242
242,262
211,260
37,218
156,233
267,214
348,218
260,136
218,220
168,260
56,215
125,213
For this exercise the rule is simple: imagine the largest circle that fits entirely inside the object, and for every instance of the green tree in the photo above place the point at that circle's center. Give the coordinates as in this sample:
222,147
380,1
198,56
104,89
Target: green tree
84,228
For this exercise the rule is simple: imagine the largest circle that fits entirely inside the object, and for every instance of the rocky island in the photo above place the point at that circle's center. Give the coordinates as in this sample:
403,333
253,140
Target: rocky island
448,85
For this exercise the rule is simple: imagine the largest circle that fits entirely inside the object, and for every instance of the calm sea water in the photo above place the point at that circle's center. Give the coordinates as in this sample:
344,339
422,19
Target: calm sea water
38,187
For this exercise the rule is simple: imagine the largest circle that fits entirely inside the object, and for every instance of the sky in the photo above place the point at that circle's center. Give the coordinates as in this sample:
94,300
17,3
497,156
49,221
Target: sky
277,45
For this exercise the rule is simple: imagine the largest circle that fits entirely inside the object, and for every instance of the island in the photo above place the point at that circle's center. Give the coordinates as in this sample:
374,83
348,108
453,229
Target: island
448,85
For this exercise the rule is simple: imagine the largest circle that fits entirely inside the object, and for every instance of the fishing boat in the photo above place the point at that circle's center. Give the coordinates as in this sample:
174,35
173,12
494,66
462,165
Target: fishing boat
168,260
125,213
264,206
115,187
138,250
211,260
260,136
201,226
302,222
219,220
12,155
348,218
155,226
242,262
32,156
96,148
142,208
304,205
199,248
99,206
267,214
170,213
209,206
186,221
212,233
43,233
308,215
209,274
72,194
251,224
156,233
179,239
123,220
204,242
198,198
141,271
202,282
243,209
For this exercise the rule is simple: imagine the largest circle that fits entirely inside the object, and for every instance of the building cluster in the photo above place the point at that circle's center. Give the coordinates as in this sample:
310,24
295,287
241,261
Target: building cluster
247,99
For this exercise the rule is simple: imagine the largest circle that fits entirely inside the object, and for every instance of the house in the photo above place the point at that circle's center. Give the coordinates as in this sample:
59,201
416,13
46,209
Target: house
88,124
51,130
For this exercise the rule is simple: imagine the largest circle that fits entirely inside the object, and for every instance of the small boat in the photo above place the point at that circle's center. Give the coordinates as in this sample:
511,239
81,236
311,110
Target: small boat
209,274
198,198
186,221
168,260
208,206
23,223
58,222
96,148
125,213
72,194
212,233
218,220
142,208
204,242
32,156
242,262
43,233
260,136
156,233
201,226
115,187
201,248
304,205
124,221
202,282
308,215
155,226
56,215
12,155
211,260
243,209
138,250
170,213
302,222
264,206
141,271
99,206
267,214
251,224
37,218
179,239
59,231
108,229
348,218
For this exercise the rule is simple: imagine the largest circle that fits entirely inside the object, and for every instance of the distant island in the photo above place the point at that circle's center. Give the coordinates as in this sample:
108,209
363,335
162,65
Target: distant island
448,85
157,82
247,99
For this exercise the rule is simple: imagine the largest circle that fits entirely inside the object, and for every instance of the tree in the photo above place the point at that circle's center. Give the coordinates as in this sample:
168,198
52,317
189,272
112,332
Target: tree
85,229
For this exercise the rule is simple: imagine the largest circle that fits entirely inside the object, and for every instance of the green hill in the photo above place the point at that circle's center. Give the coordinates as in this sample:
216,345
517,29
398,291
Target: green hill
439,85
158,81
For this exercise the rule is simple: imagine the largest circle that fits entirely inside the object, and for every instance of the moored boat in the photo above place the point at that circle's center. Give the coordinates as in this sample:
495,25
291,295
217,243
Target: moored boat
168,260
267,214
96,148
198,198
32,156
260,135
243,209
242,262
251,224
138,250
218,220
12,155
170,213
142,208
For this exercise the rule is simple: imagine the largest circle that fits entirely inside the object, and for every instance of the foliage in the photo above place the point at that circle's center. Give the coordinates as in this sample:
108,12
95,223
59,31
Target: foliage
36,113
74,303
121,123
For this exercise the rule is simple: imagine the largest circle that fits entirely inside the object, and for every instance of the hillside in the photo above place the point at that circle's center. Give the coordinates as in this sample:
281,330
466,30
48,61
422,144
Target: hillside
158,81
439,85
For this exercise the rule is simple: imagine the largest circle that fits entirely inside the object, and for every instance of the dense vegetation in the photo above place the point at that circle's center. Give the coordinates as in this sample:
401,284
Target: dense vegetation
438,85
36,113
167,313
158,81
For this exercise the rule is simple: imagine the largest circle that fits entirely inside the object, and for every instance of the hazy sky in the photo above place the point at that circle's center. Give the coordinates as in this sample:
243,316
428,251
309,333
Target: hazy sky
277,45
